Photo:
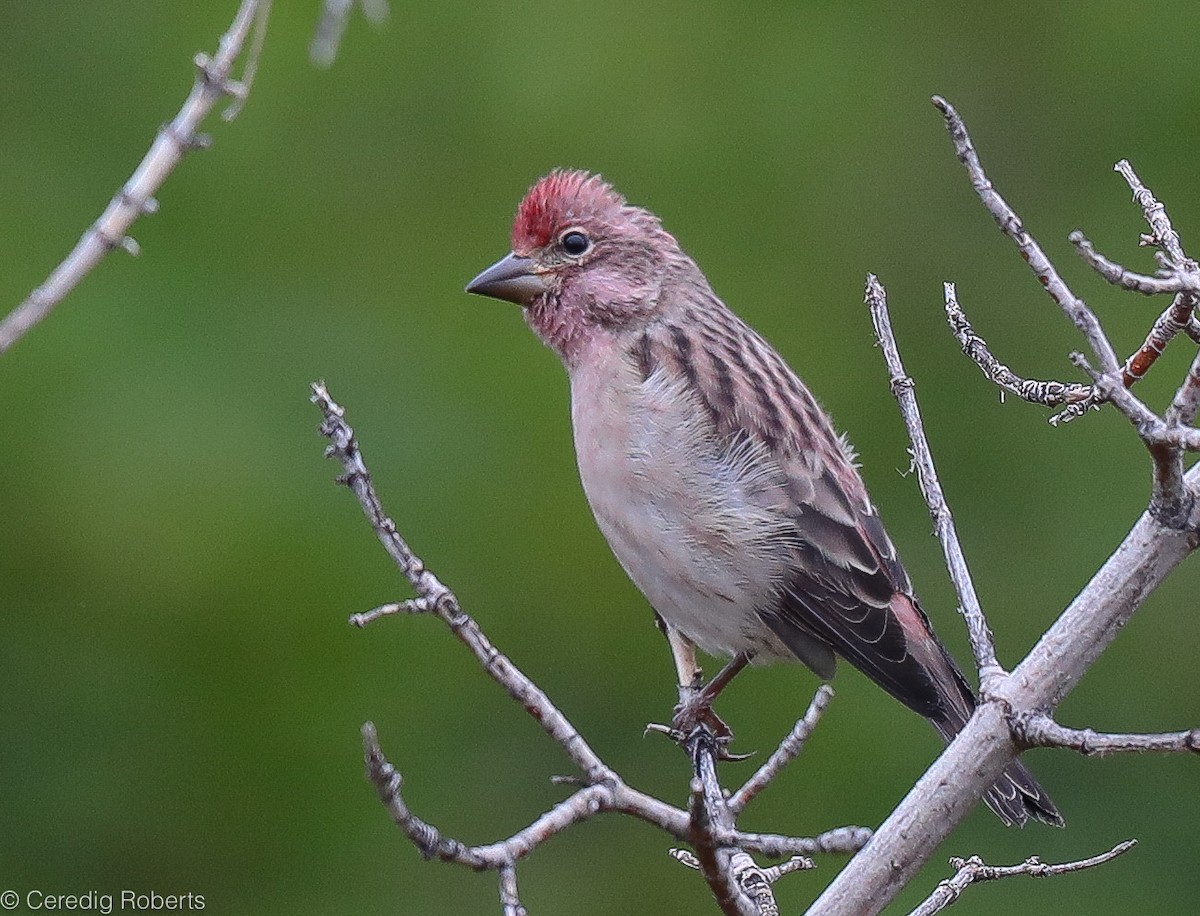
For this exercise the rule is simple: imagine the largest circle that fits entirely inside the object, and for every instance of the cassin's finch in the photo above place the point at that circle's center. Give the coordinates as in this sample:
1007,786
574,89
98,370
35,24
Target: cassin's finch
712,471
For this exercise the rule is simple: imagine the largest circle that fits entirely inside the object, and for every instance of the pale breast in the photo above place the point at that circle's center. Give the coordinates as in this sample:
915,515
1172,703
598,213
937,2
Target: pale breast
698,525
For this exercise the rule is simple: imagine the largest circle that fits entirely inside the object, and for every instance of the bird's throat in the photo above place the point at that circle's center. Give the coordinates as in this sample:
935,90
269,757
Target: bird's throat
561,326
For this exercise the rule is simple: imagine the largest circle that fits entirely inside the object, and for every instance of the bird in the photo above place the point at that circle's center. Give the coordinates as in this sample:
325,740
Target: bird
717,479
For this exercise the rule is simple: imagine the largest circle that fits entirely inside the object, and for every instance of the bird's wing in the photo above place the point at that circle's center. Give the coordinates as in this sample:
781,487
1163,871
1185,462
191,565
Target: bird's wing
843,582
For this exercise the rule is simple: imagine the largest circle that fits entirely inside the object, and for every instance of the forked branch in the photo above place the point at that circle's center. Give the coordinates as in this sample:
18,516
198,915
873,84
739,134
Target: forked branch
1016,712
708,824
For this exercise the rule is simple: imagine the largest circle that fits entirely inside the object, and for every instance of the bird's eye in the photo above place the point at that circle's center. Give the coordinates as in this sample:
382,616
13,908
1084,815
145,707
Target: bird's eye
575,243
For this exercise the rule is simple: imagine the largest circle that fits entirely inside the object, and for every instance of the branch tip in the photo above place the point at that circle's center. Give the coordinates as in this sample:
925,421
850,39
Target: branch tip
903,389
134,199
974,870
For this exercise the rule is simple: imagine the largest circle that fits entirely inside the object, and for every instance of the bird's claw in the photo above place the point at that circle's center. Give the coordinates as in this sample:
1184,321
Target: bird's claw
694,714
687,739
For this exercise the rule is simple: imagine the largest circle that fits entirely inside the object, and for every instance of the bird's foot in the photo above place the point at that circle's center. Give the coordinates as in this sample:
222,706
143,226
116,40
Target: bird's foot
693,716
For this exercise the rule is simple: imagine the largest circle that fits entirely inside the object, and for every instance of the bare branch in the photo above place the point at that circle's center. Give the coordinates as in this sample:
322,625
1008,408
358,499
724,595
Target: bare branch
980,633
509,899
1177,317
754,881
411,606
708,811
1181,316
1160,540
1170,503
582,805
213,83
1180,275
976,758
427,838
1186,402
1120,276
335,14
787,751
241,89
1171,500
1010,224
1035,729
774,846
442,600
1047,393
1170,323
973,870
1162,234
741,886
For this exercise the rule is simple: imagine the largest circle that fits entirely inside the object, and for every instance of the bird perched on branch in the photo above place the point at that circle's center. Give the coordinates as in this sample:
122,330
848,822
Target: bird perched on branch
714,474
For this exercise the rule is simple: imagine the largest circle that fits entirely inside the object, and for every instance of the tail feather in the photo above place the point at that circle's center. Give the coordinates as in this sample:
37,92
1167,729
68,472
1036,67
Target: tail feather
1017,796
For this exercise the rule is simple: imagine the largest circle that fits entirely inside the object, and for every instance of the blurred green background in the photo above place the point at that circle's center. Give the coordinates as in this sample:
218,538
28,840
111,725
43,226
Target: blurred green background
180,693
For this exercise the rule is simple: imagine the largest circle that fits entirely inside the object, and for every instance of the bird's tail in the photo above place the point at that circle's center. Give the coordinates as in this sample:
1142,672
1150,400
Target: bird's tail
1016,796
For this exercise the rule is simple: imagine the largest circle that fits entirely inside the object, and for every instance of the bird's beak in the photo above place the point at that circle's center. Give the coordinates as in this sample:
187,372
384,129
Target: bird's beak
512,279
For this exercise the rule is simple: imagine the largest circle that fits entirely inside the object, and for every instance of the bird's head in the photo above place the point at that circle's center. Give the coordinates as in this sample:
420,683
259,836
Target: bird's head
581,258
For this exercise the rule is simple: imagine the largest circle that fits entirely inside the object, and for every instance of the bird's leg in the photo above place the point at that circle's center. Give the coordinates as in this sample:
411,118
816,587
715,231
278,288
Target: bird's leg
695,697
695,703
683,651
710,691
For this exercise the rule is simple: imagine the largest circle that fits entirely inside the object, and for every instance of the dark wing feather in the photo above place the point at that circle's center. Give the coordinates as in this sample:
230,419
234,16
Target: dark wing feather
845,585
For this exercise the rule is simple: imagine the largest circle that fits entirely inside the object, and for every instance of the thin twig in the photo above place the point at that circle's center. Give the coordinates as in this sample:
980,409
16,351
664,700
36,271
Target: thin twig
1170,499
795,863
1034,729
1186,402
1170,502
1176,318
443,602
250,65
1180,274
1074,307
789,749
709,812
587,802
754,880
974,870
1162,234
1080,398
510,901
1121,276
949,789
1010,224
1181,316
1048,393
775,846
980,633
411,606
213,82
1170,323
